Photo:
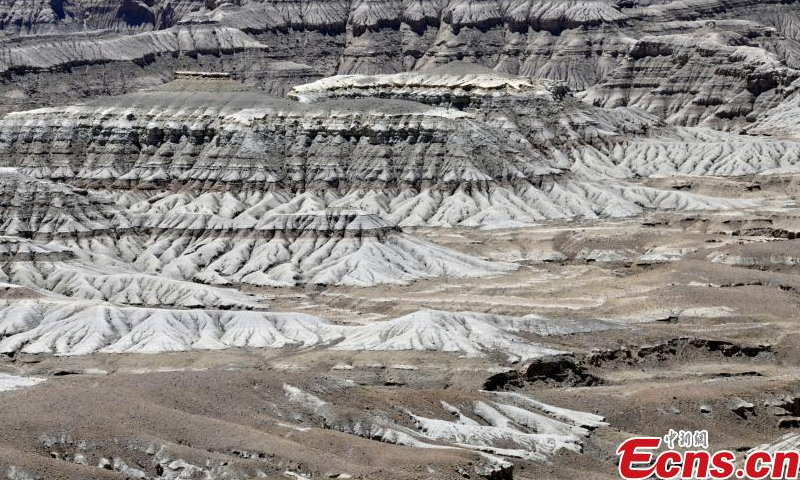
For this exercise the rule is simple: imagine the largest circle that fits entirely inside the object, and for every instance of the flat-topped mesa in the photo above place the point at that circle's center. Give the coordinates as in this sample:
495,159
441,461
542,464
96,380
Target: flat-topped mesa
278,77
44,67
55,52
198,81
182,154
184,75
203,82
330,223
543,111
455,85
226,138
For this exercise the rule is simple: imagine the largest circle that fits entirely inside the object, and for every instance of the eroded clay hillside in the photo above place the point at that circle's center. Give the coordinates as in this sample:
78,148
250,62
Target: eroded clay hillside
394,240
719,63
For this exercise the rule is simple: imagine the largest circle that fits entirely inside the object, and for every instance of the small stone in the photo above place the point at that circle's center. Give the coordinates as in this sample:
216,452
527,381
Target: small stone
789,422
495,470
778,411
741,407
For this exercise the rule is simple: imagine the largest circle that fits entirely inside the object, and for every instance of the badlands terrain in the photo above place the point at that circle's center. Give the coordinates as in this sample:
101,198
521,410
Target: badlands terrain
384,239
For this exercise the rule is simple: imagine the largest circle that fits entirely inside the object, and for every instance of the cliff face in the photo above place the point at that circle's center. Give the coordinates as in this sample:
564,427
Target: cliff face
254,140
206,180
715,63
190,174
710,84
495,158
559,177
288,179
35,17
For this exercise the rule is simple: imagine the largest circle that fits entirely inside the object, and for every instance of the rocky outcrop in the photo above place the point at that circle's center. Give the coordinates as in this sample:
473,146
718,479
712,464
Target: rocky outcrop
59,69
457,85
68,51
560,370
741,408
206,182
550,370
32,208
232,153
678,348
691,79
386,37
181,176
511,425
760,255
29,17
191,133
716,63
